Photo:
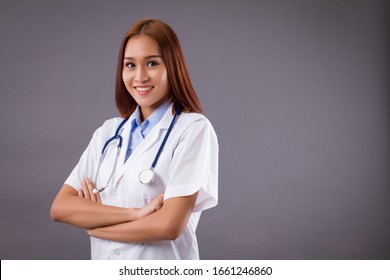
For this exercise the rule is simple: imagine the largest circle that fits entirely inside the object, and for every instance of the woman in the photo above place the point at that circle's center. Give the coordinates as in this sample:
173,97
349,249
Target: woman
155,219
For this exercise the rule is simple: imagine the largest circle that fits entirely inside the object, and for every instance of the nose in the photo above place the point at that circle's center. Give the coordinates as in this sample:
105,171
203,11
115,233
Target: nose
141,75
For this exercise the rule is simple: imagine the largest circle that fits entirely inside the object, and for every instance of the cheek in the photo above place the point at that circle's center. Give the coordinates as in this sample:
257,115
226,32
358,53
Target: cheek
125,77
127,80
164,79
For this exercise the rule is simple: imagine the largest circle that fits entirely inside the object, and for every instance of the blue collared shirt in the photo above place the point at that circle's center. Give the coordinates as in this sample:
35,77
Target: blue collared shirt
139,130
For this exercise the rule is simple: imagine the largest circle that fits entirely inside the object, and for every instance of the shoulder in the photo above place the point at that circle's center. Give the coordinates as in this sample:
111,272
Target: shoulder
110,123
194,120
188,119
195,124
109,126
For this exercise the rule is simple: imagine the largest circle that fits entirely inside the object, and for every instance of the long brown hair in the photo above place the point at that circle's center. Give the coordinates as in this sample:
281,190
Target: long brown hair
181,89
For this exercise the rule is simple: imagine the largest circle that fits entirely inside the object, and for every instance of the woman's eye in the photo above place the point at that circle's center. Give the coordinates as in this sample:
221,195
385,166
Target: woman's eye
152,63
130,65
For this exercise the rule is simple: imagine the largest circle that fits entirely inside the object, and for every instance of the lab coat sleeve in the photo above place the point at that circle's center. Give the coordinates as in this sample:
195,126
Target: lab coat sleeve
86,165
194,166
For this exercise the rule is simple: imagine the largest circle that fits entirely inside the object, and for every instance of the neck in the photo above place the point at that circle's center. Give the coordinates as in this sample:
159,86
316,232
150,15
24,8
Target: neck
146,111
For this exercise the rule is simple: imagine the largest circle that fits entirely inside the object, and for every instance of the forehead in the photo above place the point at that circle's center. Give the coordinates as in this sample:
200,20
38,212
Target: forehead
141,46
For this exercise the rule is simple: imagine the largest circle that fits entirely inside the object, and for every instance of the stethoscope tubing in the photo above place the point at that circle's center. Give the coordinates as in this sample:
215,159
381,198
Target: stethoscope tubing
178,111
150,170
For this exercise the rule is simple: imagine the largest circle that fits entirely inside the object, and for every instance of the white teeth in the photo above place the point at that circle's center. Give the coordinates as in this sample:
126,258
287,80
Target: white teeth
144,88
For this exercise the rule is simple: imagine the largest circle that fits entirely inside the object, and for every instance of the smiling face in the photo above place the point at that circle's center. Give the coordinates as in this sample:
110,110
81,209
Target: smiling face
144,74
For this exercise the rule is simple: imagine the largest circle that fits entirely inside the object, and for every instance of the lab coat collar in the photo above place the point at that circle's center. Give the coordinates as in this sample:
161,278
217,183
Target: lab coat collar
153,119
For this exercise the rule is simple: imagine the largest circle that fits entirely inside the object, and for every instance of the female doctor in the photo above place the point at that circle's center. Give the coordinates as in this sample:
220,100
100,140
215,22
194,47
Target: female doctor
141,184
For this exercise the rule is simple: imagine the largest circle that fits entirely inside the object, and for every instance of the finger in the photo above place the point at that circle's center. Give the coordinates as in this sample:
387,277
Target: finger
160,204
98,199
85,189
160,197
157,202
90,189
95,196
80,193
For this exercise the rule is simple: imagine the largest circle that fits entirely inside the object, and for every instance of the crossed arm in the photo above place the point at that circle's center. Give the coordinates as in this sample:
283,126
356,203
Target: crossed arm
158,220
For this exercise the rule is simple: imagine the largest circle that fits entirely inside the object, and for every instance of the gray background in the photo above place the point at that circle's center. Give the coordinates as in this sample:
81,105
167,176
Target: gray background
298,93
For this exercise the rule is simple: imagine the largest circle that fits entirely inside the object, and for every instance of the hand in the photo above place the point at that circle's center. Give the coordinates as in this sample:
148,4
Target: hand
86,191
151,207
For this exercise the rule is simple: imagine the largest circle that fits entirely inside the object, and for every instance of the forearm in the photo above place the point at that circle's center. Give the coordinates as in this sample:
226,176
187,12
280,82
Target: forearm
72,209
148,229
166,224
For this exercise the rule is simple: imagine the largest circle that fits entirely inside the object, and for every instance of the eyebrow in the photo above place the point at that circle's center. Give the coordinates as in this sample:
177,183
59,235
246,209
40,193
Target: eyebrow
146,57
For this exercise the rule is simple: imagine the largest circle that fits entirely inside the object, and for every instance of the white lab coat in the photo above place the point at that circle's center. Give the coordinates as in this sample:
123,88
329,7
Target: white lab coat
188,163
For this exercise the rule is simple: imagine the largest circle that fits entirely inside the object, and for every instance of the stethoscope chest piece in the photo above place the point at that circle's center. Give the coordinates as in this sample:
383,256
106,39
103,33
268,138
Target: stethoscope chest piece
146,176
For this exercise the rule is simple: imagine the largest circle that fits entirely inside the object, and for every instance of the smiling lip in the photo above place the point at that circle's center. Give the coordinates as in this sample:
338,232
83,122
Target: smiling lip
144,90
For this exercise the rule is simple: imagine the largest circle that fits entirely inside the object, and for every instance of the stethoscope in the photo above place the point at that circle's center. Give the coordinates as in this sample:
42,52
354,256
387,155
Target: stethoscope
147,175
